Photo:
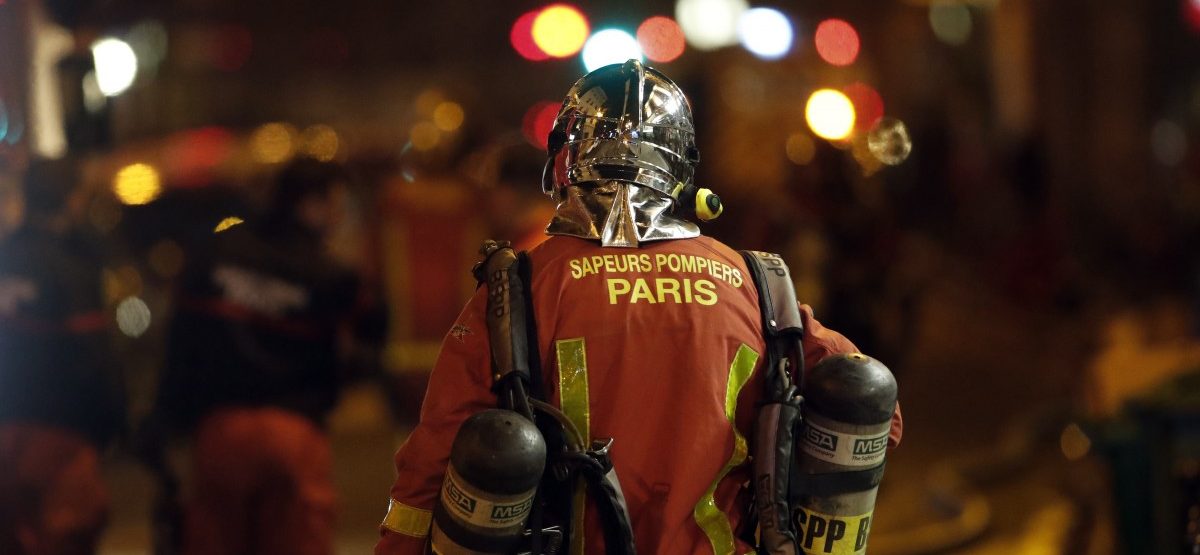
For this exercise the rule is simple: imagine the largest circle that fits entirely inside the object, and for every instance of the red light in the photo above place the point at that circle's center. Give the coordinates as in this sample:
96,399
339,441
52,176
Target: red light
538,122
868,105
192,155
661,39
1191,13
521,38
837,42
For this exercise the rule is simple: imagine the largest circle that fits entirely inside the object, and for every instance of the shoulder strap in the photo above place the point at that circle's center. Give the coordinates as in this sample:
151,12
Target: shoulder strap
782,324
517,377
779,414
507,320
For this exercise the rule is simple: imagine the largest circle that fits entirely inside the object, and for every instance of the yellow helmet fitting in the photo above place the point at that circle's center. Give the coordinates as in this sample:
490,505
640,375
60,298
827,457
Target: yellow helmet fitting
708,205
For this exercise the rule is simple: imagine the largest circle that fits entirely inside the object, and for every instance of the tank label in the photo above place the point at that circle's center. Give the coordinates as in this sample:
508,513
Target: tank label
470,505
843,448
819,533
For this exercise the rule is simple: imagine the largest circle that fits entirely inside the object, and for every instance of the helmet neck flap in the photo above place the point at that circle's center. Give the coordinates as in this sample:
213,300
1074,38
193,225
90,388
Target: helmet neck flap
618,214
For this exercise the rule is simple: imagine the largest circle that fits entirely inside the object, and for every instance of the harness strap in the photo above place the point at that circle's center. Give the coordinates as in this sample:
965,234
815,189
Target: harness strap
506,312
517,381
778,418
836,483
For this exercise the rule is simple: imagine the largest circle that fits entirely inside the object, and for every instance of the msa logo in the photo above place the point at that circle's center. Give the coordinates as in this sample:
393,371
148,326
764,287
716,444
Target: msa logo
820,439
501,513
461,500
870,446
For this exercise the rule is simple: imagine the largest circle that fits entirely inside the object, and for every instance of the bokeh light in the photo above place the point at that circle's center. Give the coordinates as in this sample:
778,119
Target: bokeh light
560,30
521,38
137,184
16,128
133,316
1191,13
320,142
889,141
194,152
448,116
273,143
951,22
610,46
116,65
800,148
227,223
661,39
830,114
710,24
539,121
3,120
837,42
766,33
424,136
868,105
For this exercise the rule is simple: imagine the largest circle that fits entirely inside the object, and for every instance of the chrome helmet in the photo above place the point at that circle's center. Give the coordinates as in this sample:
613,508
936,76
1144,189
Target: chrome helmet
627,123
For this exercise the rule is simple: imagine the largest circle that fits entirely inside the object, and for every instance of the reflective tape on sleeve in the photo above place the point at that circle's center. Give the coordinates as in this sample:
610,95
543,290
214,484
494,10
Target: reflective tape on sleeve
407,520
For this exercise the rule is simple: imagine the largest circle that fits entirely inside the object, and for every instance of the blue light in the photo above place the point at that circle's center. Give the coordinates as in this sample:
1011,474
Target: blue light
610,46
3,120
765,32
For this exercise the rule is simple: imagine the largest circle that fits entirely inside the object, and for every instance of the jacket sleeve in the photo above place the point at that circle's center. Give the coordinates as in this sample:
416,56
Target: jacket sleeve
820,342
459,386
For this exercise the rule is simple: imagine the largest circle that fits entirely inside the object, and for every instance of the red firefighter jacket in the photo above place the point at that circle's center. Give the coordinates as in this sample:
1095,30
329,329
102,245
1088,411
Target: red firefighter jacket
659,348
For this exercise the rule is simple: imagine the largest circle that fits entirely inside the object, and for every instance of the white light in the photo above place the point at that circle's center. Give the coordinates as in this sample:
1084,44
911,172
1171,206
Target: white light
116,65
610,46
133,316
951,22
710,24
765,32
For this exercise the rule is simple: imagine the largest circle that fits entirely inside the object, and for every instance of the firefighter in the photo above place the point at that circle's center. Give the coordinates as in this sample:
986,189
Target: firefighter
61,402
254,367
648,332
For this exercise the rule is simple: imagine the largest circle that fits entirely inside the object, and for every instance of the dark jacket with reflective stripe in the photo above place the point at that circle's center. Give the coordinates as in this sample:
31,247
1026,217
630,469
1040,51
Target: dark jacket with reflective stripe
56,364
255,324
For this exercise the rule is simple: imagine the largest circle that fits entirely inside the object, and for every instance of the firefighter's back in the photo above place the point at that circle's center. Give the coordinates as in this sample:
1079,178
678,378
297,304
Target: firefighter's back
653,347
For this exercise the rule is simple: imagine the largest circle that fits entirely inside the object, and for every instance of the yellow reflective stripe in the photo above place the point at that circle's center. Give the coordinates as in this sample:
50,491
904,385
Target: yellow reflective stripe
407,520
710,519
573,394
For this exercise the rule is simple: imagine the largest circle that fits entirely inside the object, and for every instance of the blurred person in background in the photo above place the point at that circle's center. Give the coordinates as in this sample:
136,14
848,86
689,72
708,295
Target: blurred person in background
259,348
672,349
61,400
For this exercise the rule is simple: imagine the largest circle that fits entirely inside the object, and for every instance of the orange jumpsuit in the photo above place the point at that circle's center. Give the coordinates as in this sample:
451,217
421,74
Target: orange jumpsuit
657,347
